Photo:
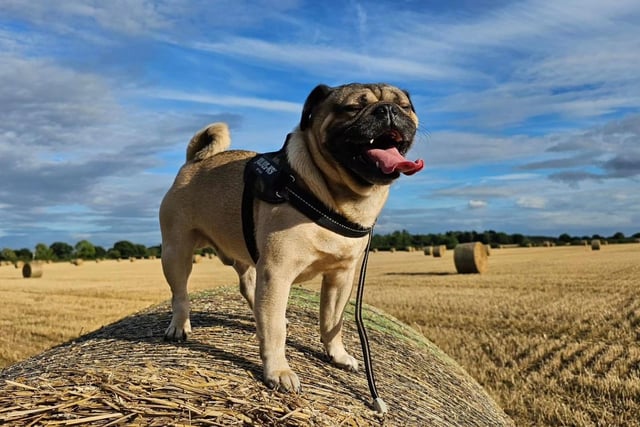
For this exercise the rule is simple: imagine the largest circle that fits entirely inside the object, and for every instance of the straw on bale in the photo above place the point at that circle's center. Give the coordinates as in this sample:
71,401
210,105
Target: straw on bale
439,251
470,258
32,269
125,374
595,245
427,250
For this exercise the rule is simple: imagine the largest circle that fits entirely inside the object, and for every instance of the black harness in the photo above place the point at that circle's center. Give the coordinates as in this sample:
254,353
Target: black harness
269,177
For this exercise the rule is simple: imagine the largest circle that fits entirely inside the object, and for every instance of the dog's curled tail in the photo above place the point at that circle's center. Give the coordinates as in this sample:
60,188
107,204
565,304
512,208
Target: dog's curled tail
210,140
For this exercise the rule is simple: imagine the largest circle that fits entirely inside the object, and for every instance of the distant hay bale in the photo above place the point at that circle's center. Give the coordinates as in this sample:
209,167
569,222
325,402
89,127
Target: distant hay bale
18,264
428,250
595,245
546,244
392,250
470,258
132,259
77,262
196,259
32,270
439,251
374,250
487,249
125,374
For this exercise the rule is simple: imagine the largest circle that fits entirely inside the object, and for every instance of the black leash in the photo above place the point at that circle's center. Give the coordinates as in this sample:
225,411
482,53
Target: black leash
378,403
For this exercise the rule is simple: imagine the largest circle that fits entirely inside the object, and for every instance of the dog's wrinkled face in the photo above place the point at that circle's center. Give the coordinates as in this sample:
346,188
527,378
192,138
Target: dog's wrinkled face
366,128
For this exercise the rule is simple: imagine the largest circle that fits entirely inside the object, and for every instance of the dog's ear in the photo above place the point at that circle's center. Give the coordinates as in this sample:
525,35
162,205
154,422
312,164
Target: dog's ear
316,96
409,98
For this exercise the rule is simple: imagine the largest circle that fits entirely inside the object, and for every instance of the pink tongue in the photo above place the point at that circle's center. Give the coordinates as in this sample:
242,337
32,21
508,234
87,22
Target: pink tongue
390,160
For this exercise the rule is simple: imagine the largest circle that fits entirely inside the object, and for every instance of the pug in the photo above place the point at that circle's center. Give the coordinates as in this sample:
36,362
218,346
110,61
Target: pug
347,150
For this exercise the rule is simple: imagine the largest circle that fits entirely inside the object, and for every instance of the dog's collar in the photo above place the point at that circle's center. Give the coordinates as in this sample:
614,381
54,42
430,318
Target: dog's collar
269,177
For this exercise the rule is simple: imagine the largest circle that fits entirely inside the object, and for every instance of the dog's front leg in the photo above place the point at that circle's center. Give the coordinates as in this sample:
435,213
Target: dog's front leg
272,294
336,290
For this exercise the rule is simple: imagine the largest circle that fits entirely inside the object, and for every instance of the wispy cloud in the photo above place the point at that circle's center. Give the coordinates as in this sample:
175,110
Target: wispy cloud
528,107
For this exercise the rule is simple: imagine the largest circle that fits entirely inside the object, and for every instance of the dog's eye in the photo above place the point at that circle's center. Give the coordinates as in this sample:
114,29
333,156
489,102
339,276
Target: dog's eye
406,107
352,108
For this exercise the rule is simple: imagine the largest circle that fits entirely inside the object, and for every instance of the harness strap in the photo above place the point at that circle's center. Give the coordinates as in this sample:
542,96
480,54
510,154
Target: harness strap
268,177
248,225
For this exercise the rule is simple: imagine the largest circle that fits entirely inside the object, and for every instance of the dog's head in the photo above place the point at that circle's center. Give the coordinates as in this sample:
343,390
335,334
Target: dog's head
366,128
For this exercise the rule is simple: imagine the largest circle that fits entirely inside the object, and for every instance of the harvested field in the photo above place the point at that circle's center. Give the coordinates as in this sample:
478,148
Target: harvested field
551,333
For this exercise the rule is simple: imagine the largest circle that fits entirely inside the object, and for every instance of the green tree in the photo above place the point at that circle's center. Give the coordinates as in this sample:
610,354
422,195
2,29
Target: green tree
156,251
565,238
8,255
114,254
100,252
126,249
44,252
84,249
62,251
450,240
141,251
618,236
24,254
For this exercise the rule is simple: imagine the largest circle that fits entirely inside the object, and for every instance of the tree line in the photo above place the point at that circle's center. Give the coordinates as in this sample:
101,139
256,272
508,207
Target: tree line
124,249
403,239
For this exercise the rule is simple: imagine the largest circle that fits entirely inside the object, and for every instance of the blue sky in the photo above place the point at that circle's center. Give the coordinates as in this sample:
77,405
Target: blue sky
530,110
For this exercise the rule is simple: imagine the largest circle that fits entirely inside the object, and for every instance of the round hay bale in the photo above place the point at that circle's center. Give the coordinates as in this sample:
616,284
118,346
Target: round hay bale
487,249
470,258
19,264
32,269
77,262
439,251
428,250
595,245
132,259
125,374
196,259
392,250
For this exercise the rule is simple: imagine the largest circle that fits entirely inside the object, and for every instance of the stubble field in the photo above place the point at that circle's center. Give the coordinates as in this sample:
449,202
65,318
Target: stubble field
553,334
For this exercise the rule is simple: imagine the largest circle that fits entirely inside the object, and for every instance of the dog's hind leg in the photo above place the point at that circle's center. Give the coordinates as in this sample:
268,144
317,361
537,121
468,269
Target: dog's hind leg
177,261
247,276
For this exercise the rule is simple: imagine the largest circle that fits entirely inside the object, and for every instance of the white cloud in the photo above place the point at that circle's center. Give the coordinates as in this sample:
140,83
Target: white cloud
477,204
531,202
226,101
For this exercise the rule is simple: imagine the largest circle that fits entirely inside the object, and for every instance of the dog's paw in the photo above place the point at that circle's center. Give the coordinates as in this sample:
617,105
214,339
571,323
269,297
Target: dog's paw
345,361
177,333
283,380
